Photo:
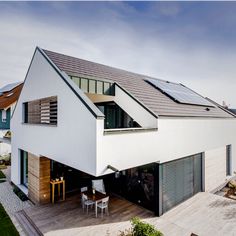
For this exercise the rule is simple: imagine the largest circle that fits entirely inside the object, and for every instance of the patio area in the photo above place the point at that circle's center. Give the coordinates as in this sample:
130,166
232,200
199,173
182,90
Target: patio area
68,214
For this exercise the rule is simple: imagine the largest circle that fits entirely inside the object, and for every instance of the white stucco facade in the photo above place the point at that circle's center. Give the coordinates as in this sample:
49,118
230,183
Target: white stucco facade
72,141
79,140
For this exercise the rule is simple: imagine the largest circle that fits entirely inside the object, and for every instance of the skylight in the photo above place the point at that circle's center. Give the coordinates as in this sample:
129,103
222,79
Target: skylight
179,93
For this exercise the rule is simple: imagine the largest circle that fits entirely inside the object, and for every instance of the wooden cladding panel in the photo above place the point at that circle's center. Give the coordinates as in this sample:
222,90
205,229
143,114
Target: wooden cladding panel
39,179
42,111
44,179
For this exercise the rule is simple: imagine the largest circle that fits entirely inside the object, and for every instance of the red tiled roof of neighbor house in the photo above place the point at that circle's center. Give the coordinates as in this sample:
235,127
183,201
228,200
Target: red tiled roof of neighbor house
135,84
9,97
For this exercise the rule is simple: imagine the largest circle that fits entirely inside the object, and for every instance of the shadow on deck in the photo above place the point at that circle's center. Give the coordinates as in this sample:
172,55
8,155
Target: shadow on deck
69,214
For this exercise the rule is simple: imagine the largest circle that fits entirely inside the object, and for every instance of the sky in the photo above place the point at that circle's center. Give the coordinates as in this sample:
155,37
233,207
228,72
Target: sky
188,42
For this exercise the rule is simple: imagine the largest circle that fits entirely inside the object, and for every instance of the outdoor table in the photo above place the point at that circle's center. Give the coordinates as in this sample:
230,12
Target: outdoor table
58,183
96,197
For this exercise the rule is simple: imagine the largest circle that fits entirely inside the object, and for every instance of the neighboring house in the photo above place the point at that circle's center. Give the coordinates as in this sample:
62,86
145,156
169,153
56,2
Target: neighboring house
8,98
154,142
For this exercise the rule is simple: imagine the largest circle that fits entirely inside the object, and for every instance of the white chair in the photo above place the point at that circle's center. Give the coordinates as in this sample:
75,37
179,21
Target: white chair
86,202
98,185
103,204
82,190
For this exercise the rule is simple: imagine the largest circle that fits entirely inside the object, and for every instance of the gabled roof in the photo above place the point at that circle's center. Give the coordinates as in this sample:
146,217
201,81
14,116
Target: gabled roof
136,85
9,94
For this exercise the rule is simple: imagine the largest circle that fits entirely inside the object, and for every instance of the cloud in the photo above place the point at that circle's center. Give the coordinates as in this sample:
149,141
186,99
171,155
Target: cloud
119,35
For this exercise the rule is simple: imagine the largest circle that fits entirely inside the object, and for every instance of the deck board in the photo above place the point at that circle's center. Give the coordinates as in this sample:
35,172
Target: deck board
69,214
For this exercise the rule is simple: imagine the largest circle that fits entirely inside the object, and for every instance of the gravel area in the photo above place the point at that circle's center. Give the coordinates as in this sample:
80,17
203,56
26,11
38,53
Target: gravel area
10,201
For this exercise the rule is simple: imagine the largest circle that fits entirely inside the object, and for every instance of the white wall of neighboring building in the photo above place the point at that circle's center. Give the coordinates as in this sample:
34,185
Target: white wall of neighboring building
5,148
175,138
72,141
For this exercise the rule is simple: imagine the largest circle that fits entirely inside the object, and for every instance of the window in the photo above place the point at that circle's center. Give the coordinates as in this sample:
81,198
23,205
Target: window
42,111
4,115
99,87
24,167
84,85
181,179
115,117
107,88
228,160
94,86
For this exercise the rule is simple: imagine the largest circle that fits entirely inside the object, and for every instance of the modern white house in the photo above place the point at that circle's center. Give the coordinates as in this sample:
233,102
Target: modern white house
154,142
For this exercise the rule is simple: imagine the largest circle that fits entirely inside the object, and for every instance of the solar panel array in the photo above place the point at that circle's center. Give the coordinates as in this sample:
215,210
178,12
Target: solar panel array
180,93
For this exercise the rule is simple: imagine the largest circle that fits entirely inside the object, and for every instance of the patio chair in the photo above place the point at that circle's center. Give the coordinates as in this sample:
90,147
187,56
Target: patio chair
83,189
103,204
98,185
86,202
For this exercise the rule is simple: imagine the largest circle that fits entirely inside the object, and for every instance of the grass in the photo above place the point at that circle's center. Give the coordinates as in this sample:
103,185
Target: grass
2,176
7,228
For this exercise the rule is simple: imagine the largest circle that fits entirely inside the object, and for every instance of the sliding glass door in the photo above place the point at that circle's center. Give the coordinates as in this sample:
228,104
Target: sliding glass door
181,179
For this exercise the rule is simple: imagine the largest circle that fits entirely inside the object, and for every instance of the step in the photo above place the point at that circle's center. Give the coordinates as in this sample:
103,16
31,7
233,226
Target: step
27,224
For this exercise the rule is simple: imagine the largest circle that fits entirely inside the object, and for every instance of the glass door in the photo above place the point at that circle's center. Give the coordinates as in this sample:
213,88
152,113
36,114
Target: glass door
24,168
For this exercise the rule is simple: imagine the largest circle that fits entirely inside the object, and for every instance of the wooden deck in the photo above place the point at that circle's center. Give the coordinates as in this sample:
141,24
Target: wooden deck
69,214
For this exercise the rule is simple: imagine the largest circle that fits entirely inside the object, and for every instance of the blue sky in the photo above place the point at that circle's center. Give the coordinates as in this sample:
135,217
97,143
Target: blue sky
188,42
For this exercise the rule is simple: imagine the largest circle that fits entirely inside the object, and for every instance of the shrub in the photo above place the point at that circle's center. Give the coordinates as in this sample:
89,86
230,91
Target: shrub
20,194
140,228
5,159
143,229
2,176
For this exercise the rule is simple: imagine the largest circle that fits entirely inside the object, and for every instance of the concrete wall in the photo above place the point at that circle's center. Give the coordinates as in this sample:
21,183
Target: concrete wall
72,141
215,168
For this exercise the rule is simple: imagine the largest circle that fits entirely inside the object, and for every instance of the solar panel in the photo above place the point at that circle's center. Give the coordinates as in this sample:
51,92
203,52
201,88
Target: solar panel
180,93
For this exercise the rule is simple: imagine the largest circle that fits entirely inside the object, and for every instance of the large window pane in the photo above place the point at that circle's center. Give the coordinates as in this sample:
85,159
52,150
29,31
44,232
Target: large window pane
84,85
107,88
180,180
92,86
99,87
76,80
24,167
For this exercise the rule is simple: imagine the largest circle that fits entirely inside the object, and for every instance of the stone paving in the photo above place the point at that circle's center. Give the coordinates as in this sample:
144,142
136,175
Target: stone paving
10,201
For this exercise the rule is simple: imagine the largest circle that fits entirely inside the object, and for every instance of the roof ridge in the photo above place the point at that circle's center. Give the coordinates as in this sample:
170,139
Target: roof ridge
136,84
